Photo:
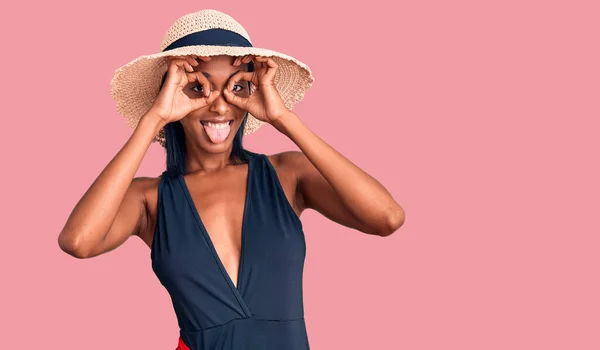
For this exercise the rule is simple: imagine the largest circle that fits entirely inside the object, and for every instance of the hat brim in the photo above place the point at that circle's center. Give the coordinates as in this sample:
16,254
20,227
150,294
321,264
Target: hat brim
135,85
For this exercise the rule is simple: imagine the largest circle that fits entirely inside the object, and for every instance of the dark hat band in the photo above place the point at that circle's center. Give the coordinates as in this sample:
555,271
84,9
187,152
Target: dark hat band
213,37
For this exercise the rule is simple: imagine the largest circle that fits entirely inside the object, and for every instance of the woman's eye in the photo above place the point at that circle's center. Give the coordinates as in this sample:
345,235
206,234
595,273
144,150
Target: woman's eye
200,88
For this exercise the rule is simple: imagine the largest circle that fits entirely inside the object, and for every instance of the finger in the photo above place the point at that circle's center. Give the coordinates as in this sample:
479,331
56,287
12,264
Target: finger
192,60
198,103
175,73
182,61
242,59
203,58
258,64
234,99
265,61
185,62
241,76
266,68
237,61
201,79
188,62
272,68
271,63
178,61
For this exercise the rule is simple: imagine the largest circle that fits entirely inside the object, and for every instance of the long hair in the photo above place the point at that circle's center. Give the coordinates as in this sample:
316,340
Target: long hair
175,142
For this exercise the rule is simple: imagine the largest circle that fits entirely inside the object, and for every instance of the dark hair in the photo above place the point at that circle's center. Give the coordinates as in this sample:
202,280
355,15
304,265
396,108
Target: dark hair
175,141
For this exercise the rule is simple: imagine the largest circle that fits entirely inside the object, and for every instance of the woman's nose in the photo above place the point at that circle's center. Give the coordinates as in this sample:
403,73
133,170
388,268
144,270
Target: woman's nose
220,105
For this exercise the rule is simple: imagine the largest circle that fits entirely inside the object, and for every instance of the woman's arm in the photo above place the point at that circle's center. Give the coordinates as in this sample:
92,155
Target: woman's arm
334,186
113,208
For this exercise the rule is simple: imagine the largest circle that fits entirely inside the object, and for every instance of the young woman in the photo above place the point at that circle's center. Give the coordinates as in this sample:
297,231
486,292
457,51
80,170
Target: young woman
222,222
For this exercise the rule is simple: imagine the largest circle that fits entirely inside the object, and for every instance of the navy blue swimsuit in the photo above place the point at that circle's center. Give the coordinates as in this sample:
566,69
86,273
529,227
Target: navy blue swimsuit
265,310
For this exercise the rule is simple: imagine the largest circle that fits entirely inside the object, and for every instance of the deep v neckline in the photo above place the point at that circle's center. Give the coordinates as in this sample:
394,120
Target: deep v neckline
236,288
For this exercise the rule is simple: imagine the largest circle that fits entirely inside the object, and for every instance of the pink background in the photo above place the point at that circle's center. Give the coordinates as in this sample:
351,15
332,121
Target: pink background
481,119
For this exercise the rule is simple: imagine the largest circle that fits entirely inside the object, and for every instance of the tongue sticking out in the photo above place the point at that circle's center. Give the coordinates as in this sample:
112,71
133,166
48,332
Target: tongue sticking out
217,135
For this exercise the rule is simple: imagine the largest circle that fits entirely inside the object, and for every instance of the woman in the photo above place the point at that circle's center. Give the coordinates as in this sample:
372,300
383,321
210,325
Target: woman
222,222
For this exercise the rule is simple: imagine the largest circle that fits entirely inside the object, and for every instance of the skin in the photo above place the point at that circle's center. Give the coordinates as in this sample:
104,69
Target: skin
117,205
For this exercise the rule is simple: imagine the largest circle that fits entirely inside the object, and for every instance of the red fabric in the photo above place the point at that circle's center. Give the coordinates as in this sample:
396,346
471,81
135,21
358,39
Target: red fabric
181,345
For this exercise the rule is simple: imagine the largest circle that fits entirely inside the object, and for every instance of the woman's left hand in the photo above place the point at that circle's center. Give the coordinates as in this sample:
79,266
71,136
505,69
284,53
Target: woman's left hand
264,103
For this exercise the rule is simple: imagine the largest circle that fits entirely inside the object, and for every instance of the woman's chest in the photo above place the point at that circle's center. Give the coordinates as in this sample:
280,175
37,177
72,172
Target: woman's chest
220,203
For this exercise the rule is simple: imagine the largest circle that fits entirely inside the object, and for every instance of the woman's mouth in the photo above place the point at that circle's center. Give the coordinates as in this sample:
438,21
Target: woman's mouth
217,132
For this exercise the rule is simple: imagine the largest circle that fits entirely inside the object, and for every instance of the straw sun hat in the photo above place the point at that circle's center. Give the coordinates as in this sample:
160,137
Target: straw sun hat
135,86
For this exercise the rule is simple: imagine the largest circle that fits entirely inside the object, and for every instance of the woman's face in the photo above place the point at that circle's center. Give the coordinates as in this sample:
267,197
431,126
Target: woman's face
215,137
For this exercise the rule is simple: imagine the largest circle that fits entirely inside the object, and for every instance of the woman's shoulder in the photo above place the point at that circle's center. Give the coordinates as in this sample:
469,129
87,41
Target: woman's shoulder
287,160
145,182
147,187
287,164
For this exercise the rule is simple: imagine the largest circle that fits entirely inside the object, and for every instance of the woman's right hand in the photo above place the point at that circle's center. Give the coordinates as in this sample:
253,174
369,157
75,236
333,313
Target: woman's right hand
172,102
